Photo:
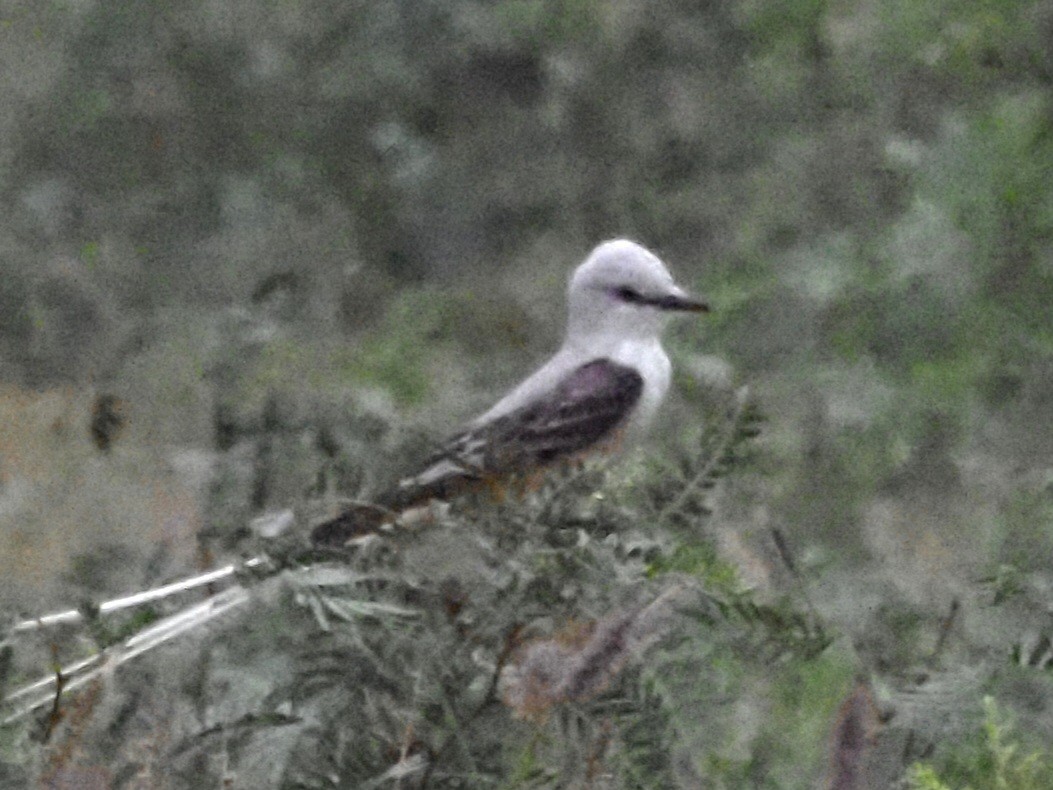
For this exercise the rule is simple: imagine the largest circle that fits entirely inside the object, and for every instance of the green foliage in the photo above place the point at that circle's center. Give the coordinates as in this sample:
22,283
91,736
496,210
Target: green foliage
806,697
861,190
995,758
539,24
701,561
924,777
974,41
496,644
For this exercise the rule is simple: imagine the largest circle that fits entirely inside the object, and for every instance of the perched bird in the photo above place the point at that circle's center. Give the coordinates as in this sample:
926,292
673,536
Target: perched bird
608,378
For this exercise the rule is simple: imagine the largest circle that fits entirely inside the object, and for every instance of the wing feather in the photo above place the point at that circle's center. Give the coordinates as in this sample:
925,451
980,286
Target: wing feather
582,411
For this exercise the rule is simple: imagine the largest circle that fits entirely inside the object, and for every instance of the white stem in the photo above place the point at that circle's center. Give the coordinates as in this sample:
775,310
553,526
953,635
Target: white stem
129,601
157,634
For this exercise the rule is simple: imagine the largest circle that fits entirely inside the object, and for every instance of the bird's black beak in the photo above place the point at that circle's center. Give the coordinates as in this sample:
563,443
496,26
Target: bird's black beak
681,302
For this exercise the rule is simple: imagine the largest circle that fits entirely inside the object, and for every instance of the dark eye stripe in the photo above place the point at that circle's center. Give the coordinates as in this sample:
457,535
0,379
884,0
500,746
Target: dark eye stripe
630,295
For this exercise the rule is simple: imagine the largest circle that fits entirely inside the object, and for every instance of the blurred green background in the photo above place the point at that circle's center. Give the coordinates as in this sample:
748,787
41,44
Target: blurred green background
244,218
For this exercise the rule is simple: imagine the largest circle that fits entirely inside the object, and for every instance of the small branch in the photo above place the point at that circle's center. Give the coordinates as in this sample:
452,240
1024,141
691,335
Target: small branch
692,486
138,599
945,628
50,688
511,642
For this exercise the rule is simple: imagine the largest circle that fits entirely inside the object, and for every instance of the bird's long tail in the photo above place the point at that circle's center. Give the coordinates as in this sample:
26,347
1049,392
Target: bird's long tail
366,518
355,521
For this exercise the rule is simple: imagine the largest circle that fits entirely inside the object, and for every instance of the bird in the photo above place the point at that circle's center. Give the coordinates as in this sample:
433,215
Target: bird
607,380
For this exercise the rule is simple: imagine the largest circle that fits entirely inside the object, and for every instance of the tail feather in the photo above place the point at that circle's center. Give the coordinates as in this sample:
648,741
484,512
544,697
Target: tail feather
355,521
361,518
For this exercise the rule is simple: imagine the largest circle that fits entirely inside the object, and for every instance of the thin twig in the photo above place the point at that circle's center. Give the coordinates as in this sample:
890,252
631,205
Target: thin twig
81,672
720,448
945,628
140,598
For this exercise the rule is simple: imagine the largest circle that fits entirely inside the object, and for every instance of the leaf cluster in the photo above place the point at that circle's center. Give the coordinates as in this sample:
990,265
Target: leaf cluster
557,639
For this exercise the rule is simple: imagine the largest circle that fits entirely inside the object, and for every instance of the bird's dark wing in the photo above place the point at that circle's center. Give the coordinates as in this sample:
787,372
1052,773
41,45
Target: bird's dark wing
583,411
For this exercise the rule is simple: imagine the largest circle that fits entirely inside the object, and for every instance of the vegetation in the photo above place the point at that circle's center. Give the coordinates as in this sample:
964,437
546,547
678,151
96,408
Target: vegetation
257,256
997,762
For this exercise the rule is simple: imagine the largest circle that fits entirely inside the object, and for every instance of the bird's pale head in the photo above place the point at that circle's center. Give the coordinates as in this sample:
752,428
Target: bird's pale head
624,288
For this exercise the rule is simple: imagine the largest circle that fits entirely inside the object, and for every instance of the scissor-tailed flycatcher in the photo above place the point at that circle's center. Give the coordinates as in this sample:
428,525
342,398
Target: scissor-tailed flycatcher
609,377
